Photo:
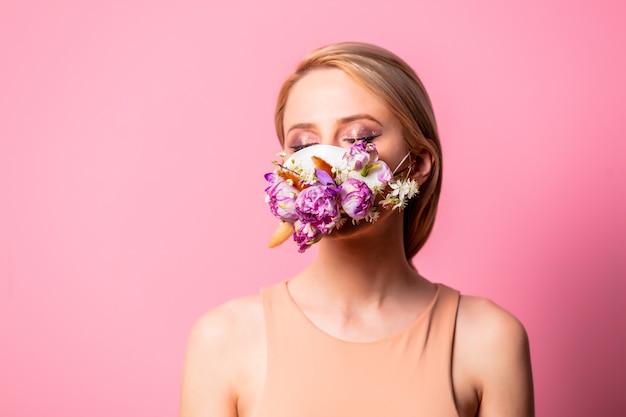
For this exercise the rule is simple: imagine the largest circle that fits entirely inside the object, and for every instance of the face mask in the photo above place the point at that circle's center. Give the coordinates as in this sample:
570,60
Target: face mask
321,187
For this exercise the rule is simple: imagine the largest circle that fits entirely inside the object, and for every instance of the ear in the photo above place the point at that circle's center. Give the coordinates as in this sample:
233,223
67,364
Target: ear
422,165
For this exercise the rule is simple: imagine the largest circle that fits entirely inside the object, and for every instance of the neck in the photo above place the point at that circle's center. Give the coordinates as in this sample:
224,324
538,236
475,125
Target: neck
365,266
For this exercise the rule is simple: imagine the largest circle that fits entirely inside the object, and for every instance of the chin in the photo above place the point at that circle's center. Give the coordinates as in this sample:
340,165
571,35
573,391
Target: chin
349,229
366,229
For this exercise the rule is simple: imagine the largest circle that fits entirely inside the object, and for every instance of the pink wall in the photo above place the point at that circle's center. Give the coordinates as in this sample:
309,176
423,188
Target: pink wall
134,136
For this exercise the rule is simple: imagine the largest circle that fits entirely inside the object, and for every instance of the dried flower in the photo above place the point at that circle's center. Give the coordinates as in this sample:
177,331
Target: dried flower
320,187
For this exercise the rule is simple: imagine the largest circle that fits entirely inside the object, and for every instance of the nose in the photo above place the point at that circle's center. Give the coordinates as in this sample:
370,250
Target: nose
328,137
333,138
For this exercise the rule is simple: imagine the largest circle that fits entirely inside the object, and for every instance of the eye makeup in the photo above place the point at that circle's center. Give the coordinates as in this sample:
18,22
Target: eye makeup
348,131
302,139
359,133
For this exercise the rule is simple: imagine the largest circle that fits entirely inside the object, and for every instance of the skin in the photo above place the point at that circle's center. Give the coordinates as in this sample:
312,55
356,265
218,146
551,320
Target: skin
377,296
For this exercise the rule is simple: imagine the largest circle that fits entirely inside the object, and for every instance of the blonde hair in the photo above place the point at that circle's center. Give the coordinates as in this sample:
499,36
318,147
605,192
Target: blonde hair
393,81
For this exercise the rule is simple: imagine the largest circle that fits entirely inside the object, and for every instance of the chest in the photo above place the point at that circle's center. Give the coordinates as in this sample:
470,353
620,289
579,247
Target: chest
293,369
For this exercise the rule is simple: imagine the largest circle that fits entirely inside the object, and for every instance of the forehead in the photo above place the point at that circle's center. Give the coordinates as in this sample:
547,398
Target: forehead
325,95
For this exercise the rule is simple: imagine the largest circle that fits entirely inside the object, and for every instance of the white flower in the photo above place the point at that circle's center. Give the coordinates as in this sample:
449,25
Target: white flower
372,216
404,190
341,172
340,222
335,177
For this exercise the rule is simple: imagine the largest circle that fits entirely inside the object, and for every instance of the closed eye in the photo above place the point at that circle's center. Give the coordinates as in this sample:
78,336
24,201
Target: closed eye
361,139
297,148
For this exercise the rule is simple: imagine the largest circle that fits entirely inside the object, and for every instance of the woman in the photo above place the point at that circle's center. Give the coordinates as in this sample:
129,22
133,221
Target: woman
360,332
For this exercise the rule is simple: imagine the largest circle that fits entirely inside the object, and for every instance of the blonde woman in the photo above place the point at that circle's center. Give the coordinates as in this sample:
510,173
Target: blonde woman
359,332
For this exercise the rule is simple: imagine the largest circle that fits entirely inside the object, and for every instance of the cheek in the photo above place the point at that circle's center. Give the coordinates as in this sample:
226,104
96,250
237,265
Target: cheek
392,155
393,147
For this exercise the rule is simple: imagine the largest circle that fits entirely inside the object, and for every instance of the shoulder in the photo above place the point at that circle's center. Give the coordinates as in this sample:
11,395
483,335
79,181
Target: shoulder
492,355
221,346
228,325
486,323
488,335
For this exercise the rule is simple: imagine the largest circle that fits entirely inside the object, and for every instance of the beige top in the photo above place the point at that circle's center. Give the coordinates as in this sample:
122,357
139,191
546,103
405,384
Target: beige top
312,374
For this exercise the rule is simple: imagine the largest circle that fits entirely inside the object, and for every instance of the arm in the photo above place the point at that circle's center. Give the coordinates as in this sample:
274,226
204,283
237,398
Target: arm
496,354
207,384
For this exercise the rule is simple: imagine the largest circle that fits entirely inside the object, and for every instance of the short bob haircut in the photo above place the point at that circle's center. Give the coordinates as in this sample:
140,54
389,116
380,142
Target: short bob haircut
395,83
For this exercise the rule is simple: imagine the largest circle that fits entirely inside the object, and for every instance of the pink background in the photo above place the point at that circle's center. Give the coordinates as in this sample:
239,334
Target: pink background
134,136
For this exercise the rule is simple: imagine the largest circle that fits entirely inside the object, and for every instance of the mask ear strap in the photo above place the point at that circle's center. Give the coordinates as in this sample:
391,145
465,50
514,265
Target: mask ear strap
408,155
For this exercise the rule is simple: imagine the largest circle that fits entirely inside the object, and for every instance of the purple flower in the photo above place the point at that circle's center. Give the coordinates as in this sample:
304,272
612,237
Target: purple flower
383,173
360,155
281,197
356,198
336,189
318,206
305,235
324,178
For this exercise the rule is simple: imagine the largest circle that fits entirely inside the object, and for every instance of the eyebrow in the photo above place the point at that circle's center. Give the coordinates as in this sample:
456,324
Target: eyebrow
356,117
342,121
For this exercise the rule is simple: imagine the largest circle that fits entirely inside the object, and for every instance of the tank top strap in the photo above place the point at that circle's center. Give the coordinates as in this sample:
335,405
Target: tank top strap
437,352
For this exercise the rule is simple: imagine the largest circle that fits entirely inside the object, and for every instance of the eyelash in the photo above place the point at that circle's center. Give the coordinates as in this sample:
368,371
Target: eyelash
363,138
367,139
300,147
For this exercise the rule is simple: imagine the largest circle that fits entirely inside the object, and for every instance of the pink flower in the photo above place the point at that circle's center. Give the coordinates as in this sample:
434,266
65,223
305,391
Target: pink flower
305,234
356,198
318,206
281,197
376,177
360,155
383,173
343,185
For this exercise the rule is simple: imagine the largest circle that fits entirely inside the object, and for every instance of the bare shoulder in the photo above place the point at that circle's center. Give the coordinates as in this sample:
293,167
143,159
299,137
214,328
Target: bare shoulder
492,355
486,323
233,322
222,345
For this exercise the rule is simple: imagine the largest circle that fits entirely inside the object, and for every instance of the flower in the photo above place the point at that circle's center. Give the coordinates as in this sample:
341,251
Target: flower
360,155
356,198
382,172
320,187
281,196
402,191
318,206
376,176
305,235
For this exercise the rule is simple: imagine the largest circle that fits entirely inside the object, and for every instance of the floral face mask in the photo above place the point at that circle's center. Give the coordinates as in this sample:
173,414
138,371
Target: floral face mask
320,187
